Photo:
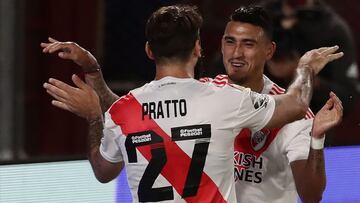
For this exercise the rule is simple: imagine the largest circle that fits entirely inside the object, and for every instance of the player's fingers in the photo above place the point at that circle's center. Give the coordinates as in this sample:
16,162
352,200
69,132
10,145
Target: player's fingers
322,49
338,111
49,46
330,50
63,86
44,45
332,94
333,57
60,46
337,108
329,104
55,96
52,39
79,82
65,55
55,91
61,105
338,103
54,48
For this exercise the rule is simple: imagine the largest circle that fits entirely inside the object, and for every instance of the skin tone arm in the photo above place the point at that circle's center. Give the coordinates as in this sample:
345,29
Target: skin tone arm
84,102
309,175
88,63
298,95
299,92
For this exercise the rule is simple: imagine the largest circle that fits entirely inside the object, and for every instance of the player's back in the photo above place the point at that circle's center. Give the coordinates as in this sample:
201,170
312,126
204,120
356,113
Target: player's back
176,137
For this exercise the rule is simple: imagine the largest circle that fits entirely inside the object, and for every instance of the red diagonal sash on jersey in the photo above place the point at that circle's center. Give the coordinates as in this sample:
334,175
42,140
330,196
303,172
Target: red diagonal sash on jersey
175,169
248,149
243,141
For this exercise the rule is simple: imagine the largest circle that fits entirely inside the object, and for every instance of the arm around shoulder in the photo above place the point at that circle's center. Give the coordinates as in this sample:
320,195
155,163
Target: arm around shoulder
294,104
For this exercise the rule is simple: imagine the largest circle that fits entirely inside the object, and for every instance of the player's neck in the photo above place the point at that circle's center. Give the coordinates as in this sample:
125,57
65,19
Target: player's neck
256,84
178,70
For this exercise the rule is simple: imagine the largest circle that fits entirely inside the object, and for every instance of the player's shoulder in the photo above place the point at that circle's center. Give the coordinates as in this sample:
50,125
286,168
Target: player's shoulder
297,128
221,78
272,88
276,89
122,103
222,81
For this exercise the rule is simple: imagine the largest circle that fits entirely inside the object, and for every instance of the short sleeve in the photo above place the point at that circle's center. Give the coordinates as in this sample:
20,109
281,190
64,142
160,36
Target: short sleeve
298,146
256,110
110,143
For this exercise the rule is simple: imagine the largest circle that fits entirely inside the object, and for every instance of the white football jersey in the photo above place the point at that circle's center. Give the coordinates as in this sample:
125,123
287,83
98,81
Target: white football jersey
176,137
262,158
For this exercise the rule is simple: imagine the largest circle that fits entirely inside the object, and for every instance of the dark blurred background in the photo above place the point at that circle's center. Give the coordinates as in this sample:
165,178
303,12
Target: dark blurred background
113,30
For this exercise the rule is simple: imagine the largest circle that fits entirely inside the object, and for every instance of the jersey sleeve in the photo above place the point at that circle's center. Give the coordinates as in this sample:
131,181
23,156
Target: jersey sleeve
255,110
298,145
110,143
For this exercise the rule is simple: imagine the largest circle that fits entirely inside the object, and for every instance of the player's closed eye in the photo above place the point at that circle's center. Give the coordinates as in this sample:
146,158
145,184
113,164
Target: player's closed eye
249,44
229,41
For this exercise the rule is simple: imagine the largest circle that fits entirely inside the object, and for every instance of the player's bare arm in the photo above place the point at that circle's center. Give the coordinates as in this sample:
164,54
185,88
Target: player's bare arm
88,63
104,171
294,104
309,175
83,101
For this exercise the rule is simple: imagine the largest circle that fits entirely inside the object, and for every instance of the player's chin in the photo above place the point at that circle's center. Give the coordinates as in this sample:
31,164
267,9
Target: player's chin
231,70
236,77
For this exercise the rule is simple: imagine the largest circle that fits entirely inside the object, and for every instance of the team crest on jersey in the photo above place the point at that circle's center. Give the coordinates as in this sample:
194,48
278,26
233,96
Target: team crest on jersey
258,139
259,100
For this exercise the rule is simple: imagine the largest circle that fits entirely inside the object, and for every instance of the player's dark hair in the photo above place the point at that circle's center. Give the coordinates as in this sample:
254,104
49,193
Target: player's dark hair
172,31
255,15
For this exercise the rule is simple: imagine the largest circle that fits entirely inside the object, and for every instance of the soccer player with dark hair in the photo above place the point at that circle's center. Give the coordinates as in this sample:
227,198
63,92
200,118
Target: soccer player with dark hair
175,135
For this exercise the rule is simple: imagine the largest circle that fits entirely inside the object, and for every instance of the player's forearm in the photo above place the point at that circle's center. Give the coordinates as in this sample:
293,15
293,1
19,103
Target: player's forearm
104,171
294,104
302,86
93,144
314,177
107,97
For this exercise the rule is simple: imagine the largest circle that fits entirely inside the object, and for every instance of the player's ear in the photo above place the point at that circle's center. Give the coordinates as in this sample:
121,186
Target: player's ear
270,50
197,49
148,51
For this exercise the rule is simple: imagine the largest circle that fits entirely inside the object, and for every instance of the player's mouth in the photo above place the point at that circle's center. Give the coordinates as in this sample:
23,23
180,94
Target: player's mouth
238,64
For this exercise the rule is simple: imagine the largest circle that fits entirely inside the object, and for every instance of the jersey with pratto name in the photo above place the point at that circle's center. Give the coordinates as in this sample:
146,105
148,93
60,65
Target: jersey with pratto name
176,138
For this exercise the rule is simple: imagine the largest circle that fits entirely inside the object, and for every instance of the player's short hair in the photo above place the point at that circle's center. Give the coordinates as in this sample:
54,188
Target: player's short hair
172,31
255,15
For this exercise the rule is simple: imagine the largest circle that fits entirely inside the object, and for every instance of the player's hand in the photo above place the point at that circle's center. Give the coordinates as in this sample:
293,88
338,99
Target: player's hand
71,51
81,100
329,116
316,59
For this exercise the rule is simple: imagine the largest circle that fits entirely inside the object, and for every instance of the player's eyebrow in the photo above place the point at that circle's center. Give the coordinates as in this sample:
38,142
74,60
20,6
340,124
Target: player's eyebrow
244,40
227,37
247,40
